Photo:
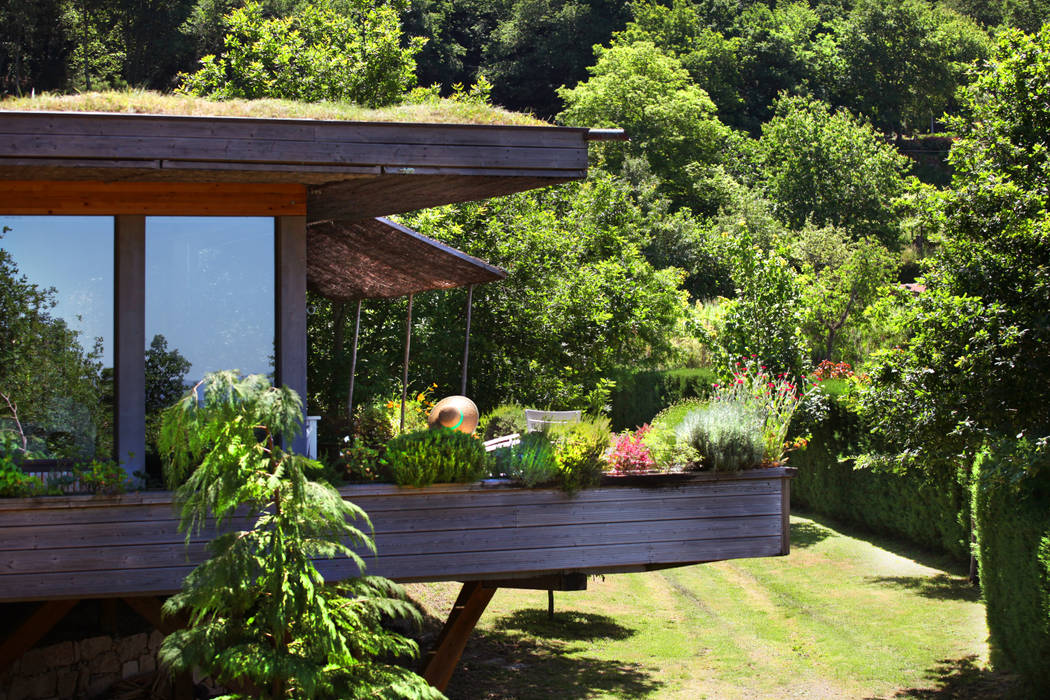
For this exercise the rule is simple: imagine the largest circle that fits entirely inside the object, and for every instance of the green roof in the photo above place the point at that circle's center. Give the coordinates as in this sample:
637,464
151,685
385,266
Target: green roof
147,102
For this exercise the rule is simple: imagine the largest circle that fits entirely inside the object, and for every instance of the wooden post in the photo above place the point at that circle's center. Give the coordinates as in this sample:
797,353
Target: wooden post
473,598
129,352
466,342
353,366
404,377
290,316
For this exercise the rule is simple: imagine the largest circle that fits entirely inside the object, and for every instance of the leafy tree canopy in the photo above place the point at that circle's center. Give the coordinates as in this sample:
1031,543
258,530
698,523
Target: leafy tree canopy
976,364
348,50
580,302
829,168
670,121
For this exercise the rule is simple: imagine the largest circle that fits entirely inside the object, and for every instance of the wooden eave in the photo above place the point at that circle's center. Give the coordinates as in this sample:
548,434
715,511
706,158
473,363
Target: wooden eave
378,258
352,170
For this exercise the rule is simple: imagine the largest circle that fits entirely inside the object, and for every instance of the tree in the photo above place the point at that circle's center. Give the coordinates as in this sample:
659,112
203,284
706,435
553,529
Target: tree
830,168
670,121
325,51
975,367
541,44
54,382
904,60
840,279
580,303
263,621
764,319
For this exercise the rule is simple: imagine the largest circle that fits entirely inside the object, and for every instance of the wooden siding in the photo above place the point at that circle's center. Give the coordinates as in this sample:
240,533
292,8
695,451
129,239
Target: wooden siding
394,167
81,546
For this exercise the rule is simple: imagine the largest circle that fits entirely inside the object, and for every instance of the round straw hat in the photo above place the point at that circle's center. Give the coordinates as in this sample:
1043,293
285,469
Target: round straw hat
454,413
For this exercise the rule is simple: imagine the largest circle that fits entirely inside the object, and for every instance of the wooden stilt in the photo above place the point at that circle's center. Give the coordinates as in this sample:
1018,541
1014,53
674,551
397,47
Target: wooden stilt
466,342
32,630
441,662
550,603
404,378
353,366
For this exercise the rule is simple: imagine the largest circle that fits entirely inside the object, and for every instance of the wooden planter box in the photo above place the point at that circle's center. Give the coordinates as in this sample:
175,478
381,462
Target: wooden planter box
128,545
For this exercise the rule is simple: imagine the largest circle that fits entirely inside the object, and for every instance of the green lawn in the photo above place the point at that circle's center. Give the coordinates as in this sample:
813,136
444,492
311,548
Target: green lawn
841,617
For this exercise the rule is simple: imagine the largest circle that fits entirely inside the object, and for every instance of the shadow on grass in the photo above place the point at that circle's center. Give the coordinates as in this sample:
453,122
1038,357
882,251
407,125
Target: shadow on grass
807,534
569,625
939,587
504,665
964,679
896,545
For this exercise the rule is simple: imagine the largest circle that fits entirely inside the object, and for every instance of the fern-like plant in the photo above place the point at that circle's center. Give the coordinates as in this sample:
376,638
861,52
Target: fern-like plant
262,620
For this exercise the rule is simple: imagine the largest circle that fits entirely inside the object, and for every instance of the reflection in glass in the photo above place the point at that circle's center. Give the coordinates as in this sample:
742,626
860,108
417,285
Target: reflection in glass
56,331
209,303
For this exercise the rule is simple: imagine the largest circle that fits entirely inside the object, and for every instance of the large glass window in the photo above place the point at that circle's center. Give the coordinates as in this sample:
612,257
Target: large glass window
209,303
56,337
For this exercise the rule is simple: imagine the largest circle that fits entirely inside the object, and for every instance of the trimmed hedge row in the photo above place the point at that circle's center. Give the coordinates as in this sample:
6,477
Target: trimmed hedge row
900,505
1013,554
641,395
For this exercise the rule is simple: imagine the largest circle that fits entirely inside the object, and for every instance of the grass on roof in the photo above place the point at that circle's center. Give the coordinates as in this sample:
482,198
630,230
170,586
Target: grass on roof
147,102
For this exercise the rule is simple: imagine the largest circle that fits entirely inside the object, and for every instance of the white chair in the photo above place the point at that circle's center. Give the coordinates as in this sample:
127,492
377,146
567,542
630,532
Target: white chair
536,419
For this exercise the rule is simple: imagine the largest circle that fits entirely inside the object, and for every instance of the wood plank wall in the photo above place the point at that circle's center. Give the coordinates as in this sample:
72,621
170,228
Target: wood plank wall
82,546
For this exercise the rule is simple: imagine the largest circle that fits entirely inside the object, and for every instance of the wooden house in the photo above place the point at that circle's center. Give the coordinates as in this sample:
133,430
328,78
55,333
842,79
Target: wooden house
210,230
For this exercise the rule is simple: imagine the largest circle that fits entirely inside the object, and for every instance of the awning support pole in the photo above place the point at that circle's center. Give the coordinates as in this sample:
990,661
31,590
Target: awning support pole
404,377
466,343
353,366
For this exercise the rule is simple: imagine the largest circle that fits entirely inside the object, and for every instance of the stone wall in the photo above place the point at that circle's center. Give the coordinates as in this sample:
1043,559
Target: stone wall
82,669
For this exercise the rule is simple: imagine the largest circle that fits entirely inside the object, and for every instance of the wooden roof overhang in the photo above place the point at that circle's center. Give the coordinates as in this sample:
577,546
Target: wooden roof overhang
347,170
381,259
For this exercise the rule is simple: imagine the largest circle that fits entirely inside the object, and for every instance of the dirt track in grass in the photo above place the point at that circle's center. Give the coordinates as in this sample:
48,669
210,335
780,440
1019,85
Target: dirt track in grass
843,616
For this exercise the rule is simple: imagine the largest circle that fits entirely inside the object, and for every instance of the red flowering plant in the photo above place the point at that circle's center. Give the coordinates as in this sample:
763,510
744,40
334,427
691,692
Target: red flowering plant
832,370
774,397
630,455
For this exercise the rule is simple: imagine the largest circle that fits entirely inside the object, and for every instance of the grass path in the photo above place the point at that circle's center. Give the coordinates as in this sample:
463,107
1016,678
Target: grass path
841,617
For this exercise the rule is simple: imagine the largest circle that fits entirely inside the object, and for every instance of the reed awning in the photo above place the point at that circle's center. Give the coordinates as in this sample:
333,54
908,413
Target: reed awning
381,259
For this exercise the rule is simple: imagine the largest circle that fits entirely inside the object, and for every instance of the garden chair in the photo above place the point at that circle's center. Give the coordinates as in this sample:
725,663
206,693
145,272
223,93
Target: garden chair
536,419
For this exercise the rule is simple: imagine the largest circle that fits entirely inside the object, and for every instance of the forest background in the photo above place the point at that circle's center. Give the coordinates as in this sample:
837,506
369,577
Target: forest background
787,193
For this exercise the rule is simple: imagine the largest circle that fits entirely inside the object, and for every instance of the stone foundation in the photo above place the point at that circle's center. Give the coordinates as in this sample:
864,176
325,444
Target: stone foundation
79,670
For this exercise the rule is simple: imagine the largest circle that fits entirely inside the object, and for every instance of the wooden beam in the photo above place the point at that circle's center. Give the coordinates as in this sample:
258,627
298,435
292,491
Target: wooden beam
473,598
550,582
88,197
290,315
32,630
129,339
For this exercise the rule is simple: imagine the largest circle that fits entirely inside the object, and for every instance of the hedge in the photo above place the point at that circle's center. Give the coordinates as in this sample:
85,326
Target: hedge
902,505
1012,510
639,396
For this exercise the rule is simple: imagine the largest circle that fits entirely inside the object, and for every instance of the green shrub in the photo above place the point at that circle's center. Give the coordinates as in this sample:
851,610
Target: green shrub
505,419
426,457
727,436
358,462
377,422
662,439
14,483
104,477
1011,507
579,449
900,504
639,396
531,461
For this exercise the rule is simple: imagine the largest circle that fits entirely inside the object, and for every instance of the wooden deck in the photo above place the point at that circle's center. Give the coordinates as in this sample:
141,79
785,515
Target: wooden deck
86,547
